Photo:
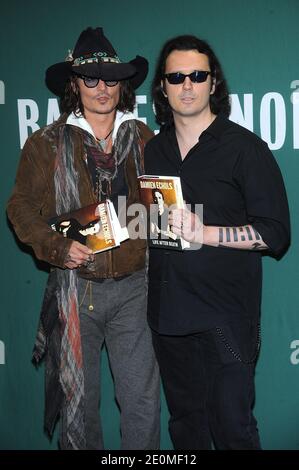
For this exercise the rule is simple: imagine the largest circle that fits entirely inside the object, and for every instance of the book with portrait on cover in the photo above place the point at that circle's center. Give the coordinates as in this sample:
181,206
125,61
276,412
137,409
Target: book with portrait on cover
160,194
96,226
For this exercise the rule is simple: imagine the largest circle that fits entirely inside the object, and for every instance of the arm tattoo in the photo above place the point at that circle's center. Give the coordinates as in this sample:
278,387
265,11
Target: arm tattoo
248,233
240,234
257,246
257,235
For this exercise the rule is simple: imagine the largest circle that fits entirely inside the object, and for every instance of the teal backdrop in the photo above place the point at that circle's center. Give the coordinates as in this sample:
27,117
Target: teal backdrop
257,43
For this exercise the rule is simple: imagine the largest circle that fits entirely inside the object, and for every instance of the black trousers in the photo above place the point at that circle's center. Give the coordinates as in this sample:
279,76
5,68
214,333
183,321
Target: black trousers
209,390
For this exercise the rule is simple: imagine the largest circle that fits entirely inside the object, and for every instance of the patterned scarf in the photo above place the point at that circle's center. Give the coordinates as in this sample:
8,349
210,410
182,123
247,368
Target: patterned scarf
71,364
67,199
106,165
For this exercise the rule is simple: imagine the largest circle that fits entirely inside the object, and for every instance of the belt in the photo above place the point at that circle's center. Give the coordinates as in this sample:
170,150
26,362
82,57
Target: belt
101,280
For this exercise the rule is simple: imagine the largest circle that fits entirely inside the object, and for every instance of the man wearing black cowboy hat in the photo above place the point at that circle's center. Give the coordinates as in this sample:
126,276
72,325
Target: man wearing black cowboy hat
93,151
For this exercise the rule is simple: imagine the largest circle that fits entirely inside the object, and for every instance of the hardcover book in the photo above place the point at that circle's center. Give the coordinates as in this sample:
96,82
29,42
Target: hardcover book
160,194
96,226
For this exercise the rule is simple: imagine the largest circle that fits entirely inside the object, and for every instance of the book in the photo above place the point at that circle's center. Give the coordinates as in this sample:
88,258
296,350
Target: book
159,194
96,226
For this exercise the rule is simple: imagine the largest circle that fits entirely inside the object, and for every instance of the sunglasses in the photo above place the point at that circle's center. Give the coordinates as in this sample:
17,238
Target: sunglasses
91,82
177,78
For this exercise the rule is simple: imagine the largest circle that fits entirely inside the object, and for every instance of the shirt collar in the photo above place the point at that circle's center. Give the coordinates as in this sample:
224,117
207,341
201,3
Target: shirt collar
80,121
215,129
218,126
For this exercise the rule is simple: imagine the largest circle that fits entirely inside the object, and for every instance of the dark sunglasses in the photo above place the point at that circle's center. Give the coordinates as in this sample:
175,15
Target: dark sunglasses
91,82
177,78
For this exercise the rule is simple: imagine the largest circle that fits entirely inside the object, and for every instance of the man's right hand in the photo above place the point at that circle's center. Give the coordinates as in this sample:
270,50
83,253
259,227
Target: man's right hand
78,255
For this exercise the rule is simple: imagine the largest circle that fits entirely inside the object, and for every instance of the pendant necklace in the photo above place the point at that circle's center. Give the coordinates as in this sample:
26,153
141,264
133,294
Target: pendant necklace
103,142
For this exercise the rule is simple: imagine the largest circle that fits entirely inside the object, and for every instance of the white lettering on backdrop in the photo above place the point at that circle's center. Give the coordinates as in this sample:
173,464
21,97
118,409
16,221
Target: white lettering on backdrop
272,111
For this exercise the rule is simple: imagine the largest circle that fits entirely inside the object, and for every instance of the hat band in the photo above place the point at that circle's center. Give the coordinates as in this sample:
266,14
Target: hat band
95,57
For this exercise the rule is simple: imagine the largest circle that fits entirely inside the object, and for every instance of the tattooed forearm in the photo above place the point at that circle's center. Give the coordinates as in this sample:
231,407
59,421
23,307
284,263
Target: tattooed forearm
235,234
240,237
257,246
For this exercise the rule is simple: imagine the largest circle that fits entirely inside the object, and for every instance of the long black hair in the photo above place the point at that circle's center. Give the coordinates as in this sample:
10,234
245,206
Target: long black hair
219,100
71,100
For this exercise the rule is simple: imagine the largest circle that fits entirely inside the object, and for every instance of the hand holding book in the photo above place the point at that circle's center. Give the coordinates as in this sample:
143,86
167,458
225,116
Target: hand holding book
160,195
186,225
78,255
94,228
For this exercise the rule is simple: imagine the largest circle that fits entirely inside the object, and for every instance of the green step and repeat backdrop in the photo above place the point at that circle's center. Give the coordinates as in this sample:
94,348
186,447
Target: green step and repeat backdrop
257,43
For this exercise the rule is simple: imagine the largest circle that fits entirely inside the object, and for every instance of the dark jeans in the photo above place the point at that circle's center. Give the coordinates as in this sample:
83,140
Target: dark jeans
210,393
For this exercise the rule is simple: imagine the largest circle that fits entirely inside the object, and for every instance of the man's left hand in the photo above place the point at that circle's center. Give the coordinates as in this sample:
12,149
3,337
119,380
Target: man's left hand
187,225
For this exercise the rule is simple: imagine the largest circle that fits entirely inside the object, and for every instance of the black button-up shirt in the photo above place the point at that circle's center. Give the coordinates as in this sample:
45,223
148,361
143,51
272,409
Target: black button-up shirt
234,175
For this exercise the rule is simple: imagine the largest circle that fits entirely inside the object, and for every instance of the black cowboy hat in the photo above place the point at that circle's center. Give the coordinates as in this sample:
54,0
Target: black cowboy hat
94,56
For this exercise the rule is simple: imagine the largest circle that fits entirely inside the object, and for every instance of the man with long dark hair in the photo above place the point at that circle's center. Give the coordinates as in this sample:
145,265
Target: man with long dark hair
204,304
94,151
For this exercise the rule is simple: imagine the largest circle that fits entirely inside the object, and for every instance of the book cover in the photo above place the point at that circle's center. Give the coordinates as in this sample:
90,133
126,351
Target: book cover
159,194
96,226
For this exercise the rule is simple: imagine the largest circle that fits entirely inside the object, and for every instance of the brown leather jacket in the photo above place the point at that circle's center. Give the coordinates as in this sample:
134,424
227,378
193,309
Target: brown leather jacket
32,204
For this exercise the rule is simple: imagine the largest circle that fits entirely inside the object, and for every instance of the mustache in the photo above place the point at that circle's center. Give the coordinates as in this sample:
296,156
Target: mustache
102,95
187,95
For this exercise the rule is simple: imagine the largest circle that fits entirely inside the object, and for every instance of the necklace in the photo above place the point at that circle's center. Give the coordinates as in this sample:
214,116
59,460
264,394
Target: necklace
103,142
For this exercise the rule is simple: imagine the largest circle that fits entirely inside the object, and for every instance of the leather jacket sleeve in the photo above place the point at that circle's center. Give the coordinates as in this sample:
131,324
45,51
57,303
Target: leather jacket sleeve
26,204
